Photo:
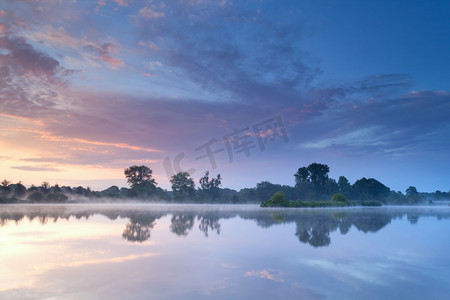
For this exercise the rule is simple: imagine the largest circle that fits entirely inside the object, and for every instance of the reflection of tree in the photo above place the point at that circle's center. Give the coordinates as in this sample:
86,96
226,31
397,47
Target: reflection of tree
412,218
313,227
112,215
313,236
136,232
17,217
43,220
182,224
344,222
368,222
315,230
209,222
3,222
138,229
344,227
81,215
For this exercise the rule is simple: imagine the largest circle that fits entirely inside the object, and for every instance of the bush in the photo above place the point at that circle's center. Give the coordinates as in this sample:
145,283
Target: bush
277,200
339,198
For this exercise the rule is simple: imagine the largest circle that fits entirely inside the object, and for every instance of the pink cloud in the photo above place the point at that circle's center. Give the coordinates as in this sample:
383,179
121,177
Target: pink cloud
55,37
13,19
265,274
150,45
121,2
27,61
105,53
149,13
36,168
101,3
60,38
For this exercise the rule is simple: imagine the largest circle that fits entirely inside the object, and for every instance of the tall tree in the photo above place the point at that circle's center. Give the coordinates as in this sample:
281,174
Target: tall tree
302,175
411,191
312,182
45,186
370,189
138,175
4,186
5,183
344,185
211,186
412,194
319,175
183,186
19,189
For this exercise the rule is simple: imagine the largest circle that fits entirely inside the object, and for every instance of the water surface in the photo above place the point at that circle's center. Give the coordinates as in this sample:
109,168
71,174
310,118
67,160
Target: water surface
223,252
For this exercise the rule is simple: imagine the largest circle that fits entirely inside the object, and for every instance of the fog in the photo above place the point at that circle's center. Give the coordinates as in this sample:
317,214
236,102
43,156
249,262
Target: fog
313,225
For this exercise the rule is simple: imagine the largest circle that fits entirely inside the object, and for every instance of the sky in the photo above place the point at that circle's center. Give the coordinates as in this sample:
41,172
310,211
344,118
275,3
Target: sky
252,90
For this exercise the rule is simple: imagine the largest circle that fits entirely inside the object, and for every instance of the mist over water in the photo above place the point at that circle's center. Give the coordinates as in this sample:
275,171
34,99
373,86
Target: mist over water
160,251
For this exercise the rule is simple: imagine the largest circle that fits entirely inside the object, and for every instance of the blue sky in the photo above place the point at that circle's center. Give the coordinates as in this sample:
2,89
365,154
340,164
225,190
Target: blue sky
90,88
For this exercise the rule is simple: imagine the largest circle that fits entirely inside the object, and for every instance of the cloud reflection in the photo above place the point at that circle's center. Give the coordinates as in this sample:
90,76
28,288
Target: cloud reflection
266,274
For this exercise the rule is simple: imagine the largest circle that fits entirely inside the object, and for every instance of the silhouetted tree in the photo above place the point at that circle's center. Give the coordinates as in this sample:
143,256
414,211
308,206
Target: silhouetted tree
5,183
248,195
19,189
45,187
183,186
305,191
265,190
315,176
4,186
412,195
302,175
137,175
112,192
210,187
331,187
370,189
344,185
318,173
411,191
32,188
56,189
142,183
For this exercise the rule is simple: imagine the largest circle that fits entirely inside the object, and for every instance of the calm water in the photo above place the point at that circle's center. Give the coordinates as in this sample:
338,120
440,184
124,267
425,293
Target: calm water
223,252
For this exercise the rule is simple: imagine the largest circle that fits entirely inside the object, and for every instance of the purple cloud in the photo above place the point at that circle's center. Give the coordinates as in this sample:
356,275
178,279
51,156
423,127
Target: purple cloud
36,169
25,60
105,53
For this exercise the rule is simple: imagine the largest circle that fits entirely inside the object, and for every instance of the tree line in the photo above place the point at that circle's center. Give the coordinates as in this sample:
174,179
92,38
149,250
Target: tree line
311,183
